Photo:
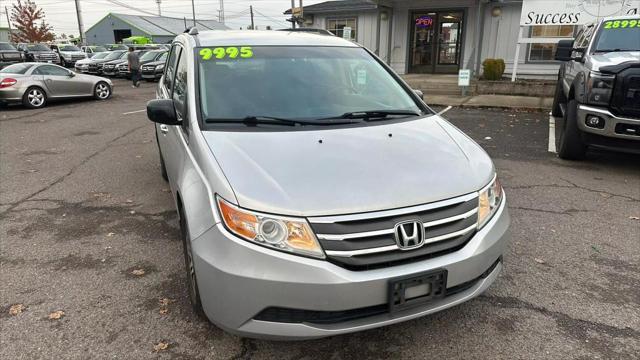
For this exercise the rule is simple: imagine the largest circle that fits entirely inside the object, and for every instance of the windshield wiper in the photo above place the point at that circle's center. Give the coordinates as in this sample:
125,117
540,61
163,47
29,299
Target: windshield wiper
253,120
374,114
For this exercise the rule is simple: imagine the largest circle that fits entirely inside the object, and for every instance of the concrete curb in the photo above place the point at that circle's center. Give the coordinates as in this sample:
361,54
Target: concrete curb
492,101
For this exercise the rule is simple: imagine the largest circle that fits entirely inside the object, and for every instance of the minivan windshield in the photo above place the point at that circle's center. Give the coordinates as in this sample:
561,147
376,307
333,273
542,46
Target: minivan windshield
619,35
296,82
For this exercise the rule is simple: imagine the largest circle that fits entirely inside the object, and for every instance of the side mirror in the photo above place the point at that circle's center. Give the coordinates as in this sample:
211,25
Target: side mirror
71,74
564,50
419,93
162,111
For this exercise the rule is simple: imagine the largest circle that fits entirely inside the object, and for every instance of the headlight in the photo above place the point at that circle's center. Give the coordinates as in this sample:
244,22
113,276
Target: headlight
488,202
160,67
275,232
599,88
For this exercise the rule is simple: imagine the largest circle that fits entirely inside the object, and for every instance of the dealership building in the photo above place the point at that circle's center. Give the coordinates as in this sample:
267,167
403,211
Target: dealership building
444,36
161,29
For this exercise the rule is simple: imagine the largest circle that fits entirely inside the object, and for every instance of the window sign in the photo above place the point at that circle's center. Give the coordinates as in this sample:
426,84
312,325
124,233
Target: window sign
346,32
424,22
574,12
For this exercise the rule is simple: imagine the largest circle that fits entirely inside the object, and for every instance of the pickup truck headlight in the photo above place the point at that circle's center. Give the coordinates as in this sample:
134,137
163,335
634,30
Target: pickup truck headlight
160,67
599,88
489,200
276,232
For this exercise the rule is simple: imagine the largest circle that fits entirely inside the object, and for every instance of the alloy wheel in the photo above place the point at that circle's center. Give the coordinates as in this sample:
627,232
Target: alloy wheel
102,91
36,97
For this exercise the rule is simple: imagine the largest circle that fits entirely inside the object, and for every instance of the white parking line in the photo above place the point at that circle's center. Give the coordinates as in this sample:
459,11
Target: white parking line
552,133
134,112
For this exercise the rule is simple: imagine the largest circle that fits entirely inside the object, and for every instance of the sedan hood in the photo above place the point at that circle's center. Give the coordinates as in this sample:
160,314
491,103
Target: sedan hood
350,170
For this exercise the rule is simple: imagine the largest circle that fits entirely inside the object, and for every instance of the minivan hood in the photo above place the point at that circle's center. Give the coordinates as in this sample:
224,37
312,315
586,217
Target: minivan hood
612,58
350,170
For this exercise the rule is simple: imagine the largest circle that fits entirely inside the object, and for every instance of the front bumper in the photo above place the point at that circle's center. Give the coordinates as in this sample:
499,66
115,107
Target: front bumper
238,280
612,127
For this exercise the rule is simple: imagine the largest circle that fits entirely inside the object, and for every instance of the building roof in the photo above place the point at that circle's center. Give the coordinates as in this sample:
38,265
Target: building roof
338,6
163,25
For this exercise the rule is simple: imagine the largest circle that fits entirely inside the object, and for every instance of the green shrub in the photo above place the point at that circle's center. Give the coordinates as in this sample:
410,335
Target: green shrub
493,69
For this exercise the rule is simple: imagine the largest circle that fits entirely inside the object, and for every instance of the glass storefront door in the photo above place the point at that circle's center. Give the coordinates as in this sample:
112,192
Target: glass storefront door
435,41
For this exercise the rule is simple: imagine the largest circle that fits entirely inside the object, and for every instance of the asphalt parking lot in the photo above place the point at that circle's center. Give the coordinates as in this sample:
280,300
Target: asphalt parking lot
87,227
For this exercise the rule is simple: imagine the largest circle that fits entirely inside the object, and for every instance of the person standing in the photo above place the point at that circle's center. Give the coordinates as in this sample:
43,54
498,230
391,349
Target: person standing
134,67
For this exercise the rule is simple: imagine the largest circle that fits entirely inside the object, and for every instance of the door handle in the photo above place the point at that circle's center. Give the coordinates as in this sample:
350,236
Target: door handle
164,129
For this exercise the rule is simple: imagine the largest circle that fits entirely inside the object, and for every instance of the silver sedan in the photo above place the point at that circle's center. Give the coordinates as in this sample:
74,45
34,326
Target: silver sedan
34,84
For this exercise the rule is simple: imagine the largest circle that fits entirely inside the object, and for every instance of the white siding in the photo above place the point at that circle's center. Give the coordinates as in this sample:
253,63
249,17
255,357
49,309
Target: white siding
366,32
499,41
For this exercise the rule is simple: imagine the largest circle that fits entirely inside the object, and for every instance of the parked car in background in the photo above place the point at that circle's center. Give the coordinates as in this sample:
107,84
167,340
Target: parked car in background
597,96
95,66
9,55
35,84
83,65
112,47
314,237
68,54
92,50
110,68
148,57
152,71
38,53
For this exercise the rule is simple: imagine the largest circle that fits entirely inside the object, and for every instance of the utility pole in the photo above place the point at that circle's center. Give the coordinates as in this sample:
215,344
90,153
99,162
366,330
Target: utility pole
80,23
251,11
193,9
293,17
6,12
221,16
159,8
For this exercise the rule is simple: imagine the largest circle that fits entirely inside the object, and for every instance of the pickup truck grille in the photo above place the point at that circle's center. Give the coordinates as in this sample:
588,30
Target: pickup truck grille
368,241
11,56
626,95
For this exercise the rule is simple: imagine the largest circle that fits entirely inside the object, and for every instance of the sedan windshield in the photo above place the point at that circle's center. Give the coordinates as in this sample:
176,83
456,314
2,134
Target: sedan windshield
297,82
69,48
17,69
6,46
114,55
38,47
619,35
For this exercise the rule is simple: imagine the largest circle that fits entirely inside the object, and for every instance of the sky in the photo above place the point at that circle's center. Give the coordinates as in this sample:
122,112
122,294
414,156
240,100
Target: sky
61,14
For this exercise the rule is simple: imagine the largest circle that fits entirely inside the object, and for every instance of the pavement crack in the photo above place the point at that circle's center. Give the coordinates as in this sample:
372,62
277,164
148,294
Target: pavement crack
573,186
73,169
568,212
577,328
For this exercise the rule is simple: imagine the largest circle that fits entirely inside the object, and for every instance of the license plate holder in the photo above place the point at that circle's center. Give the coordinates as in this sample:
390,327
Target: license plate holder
416,289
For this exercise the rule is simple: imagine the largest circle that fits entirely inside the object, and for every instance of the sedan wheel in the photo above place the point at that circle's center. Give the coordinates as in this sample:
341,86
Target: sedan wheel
102,91
34,98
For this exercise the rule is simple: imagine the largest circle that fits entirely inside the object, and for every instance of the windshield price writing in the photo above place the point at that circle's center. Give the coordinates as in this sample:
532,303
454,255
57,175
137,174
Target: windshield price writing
226,52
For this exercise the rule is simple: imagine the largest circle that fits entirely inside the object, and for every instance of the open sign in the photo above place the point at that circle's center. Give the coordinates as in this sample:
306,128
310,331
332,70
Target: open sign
424,21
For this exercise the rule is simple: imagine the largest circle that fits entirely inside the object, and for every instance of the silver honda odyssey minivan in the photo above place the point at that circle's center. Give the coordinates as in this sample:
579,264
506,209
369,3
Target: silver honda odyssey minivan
317,193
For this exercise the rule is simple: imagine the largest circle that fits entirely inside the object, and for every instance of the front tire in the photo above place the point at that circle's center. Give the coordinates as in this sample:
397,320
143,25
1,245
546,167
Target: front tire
102,91
192,283
569,141
34,98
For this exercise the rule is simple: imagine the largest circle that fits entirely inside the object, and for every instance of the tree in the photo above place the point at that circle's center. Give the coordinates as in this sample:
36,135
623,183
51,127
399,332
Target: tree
29,24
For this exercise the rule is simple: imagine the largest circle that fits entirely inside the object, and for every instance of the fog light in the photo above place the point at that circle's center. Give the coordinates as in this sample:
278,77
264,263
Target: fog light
595,122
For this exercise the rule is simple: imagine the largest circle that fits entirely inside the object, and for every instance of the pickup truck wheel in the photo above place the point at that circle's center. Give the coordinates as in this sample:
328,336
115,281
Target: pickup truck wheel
570,145
192,283
558,98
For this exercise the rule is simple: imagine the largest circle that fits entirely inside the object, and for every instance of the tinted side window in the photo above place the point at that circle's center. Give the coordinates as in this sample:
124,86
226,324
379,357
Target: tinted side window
180,88
169,70
51,70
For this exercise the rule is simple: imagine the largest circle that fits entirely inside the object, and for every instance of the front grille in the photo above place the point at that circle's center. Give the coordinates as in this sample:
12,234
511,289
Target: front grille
46,57
626,94
367,241
11,56
627,129
297,316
